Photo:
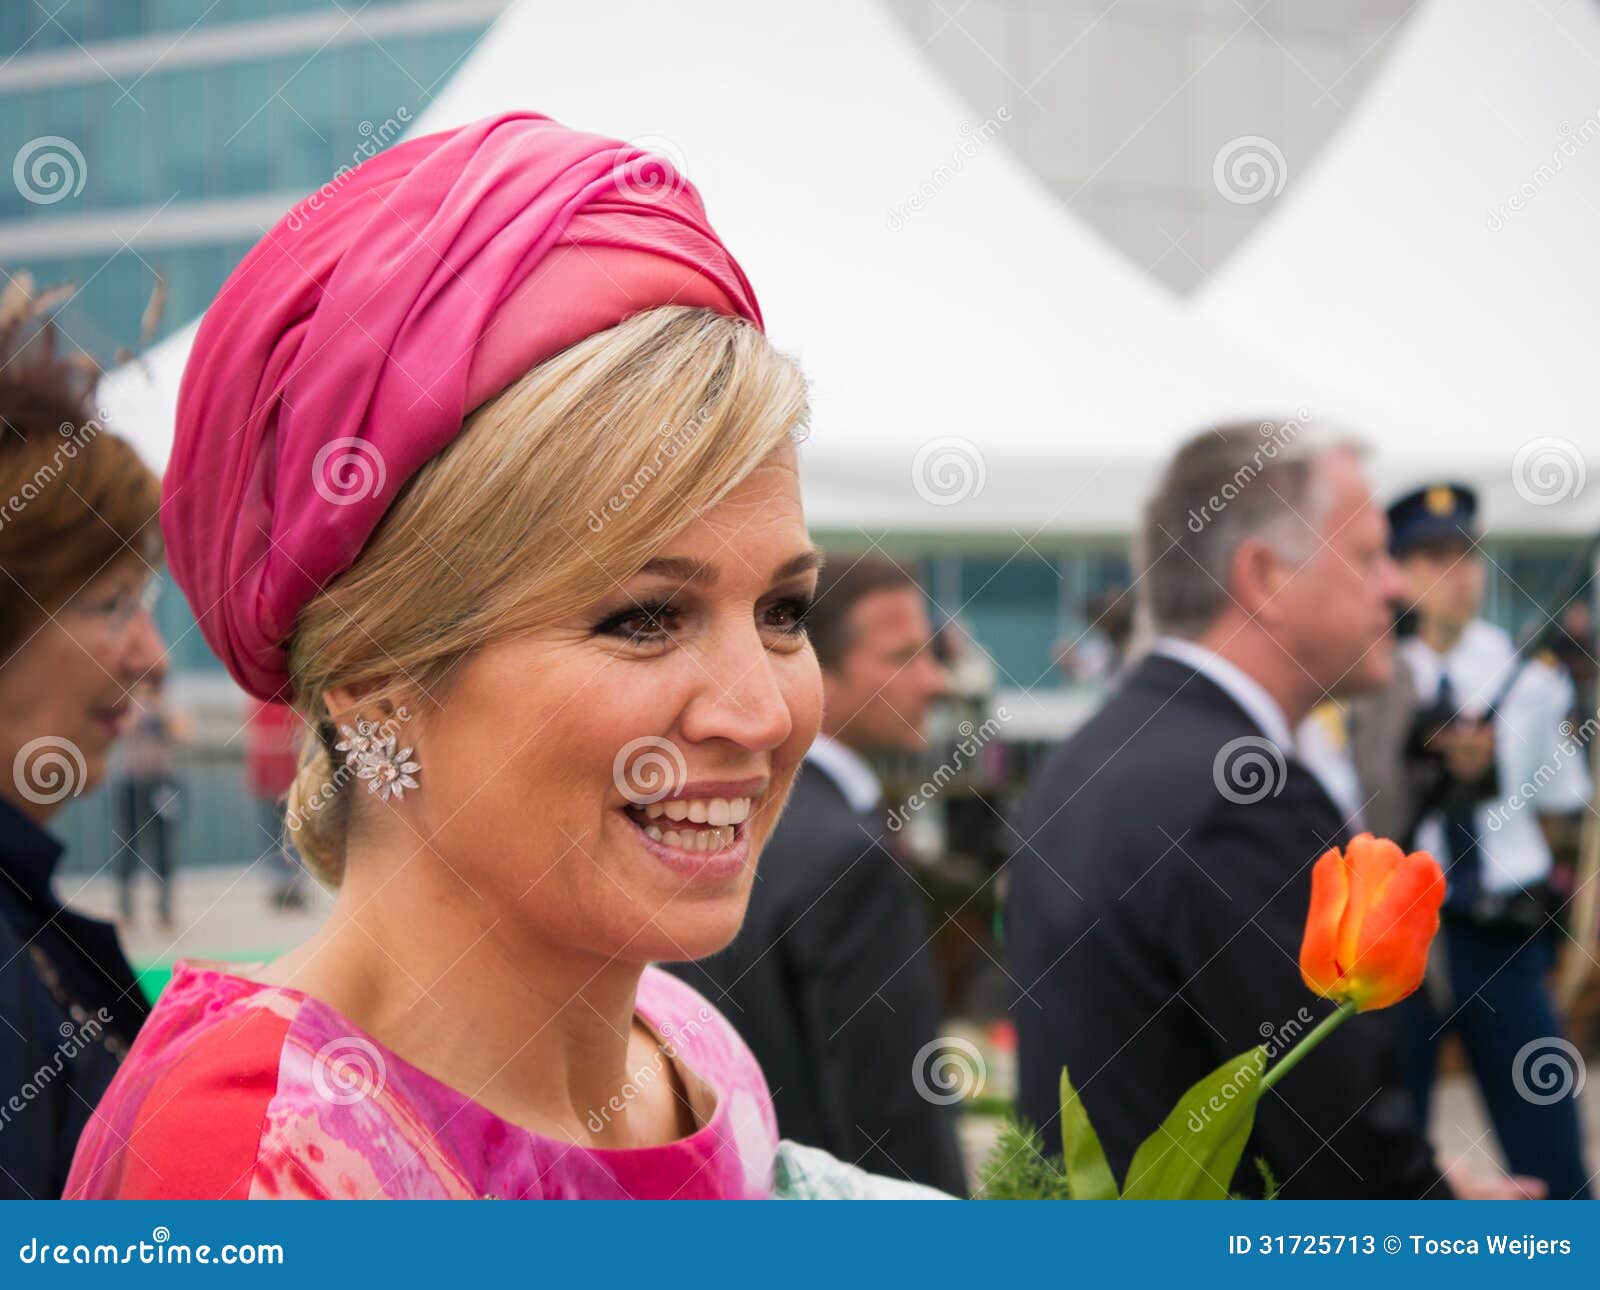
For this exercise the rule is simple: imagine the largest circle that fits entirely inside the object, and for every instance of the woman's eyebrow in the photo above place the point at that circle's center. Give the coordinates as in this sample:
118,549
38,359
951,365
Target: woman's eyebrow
686,570
805,562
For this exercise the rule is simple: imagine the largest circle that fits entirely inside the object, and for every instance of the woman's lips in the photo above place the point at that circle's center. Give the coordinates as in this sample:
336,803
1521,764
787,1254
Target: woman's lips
111,720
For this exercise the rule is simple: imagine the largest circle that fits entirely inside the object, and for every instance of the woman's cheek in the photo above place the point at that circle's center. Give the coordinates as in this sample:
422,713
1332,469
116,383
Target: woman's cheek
803,690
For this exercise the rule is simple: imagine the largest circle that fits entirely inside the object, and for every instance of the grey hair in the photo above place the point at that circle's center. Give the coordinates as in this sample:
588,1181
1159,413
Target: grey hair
1228,485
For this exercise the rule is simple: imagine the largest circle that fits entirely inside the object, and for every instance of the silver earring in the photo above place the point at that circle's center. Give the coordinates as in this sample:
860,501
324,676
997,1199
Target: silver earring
371,750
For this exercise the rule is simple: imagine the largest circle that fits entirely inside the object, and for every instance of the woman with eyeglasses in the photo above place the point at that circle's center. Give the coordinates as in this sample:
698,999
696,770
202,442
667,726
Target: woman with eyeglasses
79,543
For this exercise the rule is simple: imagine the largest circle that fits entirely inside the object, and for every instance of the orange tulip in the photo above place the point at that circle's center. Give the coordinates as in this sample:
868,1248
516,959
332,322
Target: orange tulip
1374,912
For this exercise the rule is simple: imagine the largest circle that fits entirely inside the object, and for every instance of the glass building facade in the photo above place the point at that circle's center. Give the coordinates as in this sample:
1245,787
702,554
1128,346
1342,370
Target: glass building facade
194,125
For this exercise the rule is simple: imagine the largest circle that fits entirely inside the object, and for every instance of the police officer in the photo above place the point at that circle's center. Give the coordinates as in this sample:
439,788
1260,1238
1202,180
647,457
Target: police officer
1479,780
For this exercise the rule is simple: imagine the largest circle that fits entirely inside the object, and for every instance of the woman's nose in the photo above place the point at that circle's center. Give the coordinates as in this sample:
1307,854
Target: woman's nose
145,655
739,699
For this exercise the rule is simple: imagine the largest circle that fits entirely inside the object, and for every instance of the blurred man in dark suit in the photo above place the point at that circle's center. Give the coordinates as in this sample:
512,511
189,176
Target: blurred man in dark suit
1156,908
830,980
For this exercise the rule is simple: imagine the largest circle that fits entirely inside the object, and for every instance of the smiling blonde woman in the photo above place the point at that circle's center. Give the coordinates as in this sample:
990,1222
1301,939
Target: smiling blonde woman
487,466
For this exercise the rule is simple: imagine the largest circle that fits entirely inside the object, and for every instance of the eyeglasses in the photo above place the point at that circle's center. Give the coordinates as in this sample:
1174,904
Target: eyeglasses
115,614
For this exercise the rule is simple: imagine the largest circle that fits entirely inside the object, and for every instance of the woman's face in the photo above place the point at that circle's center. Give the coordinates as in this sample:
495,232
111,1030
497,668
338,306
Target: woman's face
67,692
612,779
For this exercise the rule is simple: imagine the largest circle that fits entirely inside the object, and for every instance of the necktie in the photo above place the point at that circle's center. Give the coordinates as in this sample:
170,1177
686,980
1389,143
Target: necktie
1464,873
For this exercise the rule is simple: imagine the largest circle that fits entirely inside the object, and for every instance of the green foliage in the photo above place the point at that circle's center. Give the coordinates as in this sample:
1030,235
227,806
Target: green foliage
1089,1177
1193,1155
1194,1152
1269,1180
1018,1169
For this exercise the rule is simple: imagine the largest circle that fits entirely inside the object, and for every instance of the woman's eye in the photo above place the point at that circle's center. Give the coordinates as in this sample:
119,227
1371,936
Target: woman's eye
789,616
651,624
641,623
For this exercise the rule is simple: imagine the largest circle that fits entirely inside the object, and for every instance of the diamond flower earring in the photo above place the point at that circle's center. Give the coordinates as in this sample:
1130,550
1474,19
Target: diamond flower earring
371,750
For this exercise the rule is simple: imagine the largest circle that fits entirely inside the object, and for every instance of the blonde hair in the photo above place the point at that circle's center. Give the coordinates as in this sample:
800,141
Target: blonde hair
566,482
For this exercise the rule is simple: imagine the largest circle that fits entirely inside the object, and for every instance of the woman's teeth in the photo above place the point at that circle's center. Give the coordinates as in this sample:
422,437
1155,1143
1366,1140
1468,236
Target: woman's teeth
715,811
718,817
713,839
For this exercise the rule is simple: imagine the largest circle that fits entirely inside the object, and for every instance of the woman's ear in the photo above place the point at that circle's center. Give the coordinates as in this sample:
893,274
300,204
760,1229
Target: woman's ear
370,699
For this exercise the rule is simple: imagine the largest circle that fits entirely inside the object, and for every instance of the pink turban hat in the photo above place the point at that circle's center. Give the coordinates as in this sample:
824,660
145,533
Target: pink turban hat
349,345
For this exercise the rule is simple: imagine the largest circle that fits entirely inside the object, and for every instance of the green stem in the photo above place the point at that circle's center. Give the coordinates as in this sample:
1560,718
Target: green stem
1323,1029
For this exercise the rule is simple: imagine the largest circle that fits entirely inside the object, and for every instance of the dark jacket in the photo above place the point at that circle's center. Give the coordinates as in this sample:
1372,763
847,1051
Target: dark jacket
53,1065
831,983
1154,926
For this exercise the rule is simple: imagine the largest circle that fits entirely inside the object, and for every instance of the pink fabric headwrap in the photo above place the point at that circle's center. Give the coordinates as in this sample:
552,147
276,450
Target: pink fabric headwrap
349,345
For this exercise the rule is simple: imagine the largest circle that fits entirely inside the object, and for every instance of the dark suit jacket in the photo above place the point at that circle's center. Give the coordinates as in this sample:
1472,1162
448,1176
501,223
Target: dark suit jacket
53,1067
1156,925
831,984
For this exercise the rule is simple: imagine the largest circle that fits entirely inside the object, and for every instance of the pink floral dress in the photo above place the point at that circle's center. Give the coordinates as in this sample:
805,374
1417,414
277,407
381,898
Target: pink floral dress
235,1089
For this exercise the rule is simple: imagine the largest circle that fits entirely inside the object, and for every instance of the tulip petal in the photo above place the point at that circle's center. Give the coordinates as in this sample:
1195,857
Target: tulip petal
1371,861
1330,889
1397,927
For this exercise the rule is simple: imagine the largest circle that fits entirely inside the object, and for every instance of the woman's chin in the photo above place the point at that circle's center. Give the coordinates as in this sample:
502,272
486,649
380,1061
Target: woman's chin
683,932
684,945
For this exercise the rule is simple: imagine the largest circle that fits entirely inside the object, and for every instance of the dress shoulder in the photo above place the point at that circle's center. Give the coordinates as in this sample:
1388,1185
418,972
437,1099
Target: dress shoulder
701,1034
184,1116
704,1040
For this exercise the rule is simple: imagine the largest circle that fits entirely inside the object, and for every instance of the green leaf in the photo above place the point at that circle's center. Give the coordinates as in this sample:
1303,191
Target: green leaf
1088,1174
1194,1153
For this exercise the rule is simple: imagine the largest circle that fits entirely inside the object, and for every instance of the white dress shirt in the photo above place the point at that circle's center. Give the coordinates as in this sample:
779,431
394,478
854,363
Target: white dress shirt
1236,683
1270,719
1542,767
849,771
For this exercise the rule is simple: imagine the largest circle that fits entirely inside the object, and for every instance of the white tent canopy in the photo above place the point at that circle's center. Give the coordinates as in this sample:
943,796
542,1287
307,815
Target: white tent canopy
980,361
139,400
1440,266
